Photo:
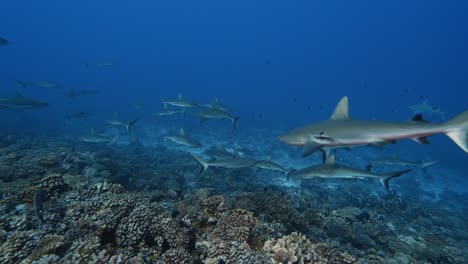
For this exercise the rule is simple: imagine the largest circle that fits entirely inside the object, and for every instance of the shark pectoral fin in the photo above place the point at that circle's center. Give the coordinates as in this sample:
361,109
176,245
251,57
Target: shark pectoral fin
330,160
309,148
113,141
130,125
428,164
378,145
421,140
325,154
381,144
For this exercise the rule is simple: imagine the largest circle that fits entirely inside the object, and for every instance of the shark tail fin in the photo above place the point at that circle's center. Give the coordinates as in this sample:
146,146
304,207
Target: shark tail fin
386,177
425,165
164,103
203,163
130,125
234,121
22,84
288,173
457,130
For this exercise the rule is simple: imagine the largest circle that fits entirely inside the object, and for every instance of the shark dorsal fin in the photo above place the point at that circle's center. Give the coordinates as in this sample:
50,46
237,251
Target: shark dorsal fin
179,96
341,110
330,160
182,132
19,95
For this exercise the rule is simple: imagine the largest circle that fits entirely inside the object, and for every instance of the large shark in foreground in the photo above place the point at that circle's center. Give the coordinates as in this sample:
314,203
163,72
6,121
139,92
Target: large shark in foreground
331,170
340,131
19,102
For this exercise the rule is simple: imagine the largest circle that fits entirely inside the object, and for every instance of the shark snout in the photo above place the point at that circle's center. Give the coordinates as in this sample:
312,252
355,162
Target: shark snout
290,140
282,138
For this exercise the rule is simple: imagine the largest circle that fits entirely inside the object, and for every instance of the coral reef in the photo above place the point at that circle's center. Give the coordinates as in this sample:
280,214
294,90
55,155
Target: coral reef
235,226
296,248
113,206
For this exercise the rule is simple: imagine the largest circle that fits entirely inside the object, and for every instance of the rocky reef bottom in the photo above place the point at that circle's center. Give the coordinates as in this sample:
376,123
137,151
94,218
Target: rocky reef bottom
67,203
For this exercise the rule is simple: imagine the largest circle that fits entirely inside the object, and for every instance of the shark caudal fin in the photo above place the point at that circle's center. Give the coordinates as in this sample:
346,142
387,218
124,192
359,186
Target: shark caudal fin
130,125
386,177
425,165
164,103
289,173
203,163
22,84
234,121
457,130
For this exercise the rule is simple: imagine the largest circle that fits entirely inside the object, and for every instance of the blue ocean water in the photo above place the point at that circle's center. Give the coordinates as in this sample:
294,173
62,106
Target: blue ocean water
289,62
278,65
